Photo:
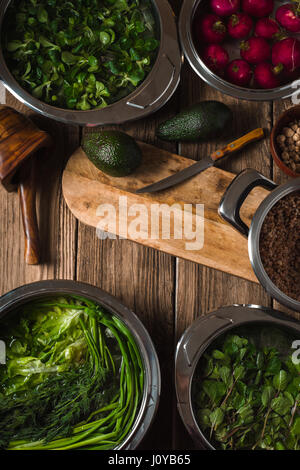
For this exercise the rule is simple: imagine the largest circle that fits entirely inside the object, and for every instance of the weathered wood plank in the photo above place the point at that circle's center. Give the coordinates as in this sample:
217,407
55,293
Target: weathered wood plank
56,225
144,280
199,289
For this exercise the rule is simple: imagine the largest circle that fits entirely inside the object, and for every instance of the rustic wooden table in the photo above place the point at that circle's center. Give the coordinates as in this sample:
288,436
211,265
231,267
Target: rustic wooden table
165,292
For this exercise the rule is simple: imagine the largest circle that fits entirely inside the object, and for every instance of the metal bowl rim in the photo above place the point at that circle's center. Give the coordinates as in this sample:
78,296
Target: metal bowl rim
284,321
113,111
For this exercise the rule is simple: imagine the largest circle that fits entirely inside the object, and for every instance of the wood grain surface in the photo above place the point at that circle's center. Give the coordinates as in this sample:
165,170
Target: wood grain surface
167,293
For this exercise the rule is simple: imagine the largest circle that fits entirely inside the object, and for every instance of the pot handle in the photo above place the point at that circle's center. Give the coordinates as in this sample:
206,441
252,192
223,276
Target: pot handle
236,194
198,334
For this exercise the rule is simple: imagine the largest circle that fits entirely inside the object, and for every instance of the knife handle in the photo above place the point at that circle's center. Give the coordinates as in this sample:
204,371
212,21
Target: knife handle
238,144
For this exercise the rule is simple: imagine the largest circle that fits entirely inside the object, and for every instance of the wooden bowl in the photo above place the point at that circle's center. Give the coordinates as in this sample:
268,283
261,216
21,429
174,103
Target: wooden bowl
289,115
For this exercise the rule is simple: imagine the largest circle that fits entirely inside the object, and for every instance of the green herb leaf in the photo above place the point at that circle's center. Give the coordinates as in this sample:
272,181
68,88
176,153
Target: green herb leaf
42,14
257,389
69,58
296,427
216,418
267,395
281,405
280,380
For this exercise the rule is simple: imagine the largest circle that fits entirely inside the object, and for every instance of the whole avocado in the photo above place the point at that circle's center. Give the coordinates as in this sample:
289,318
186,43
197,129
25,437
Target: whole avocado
112,152
201,121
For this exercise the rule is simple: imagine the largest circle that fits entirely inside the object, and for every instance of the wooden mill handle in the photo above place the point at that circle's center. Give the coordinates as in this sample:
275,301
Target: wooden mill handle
238,144
27,194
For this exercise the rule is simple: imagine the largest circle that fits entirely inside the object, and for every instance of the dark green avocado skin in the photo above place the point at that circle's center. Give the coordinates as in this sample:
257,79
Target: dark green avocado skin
112,152
202,121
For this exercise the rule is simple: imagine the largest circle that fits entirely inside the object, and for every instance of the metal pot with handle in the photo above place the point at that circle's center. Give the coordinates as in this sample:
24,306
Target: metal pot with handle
157,88
190,9
229,210
201,335
14,300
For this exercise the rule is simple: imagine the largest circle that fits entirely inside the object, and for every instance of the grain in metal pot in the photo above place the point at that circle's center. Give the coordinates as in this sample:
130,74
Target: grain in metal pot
280,245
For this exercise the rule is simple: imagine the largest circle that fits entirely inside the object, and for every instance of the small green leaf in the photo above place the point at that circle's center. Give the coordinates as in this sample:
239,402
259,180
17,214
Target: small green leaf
296,427
216,418
83,103
290,397
242,388
214,390
267,395
209,367
27,71
69,58
273,365
242,353
38,91
46,43
225,374
281,405
218,355
280,380
246,414
204,418
14,45
42,15
104,38
260,360
151,44
258,377
239,372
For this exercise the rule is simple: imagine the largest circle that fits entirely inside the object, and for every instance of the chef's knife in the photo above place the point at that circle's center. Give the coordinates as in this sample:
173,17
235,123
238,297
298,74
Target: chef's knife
203,164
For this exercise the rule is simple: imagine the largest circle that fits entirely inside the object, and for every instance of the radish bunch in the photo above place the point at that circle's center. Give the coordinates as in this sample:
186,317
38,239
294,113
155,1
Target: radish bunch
269,46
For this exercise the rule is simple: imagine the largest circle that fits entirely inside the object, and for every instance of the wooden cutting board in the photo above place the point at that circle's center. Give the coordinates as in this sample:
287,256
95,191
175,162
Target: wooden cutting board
111,204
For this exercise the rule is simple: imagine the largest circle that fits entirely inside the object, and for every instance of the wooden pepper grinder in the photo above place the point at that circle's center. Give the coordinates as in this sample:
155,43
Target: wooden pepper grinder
20,140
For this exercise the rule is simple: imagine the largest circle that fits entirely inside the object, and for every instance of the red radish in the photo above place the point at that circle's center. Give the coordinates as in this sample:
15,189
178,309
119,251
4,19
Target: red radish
225,7
211,29
267,28
267,76
239,72
240,25
215,57
287,53
255,50
258,8
288,16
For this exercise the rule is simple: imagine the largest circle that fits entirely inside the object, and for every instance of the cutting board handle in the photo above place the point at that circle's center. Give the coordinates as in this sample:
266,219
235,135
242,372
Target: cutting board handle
236,195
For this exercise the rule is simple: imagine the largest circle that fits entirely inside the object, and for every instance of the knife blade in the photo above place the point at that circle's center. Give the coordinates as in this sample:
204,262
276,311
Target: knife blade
203,164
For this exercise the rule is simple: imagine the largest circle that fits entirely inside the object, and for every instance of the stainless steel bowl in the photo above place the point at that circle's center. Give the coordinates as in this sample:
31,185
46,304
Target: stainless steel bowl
151,95
186,19
202,334
18,297
229,210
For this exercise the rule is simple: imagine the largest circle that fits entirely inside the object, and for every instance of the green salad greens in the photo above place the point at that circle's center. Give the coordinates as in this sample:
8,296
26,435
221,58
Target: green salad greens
79,54
74,377
246,392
